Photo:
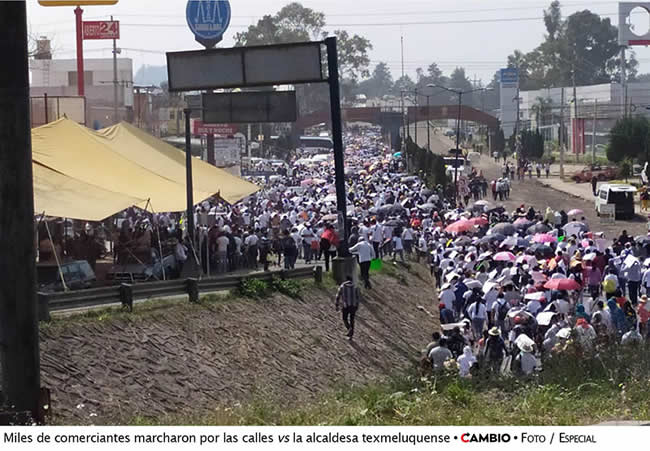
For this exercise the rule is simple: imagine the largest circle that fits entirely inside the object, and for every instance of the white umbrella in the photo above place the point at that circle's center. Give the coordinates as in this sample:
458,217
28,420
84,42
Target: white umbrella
589,257
536,296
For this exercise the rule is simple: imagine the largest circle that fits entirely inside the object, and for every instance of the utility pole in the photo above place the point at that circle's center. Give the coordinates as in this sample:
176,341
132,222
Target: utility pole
574,122
593,133
116,117
623,82
19,350
460,108
416,116
402,44
428,125
561,135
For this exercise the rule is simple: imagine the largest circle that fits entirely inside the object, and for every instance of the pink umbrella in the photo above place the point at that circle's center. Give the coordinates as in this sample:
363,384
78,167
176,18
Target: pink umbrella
505,257
562,284
480,221
544,238
460,226
575,212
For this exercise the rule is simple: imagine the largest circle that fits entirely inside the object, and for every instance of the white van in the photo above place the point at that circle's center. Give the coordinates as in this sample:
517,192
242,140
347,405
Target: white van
619,195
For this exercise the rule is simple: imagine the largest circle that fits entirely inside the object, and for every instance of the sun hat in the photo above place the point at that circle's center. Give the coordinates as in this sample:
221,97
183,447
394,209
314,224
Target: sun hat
526,347
495,332
644,299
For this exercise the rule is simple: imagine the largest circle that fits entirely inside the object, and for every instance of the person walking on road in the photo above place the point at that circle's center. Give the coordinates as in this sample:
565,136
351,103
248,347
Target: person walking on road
348,299
366,254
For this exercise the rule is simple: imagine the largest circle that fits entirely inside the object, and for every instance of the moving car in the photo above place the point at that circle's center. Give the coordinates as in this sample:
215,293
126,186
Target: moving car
601,173
619,195
464,166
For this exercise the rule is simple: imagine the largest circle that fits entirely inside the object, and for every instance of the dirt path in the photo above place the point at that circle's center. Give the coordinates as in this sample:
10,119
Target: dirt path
189,360
531,192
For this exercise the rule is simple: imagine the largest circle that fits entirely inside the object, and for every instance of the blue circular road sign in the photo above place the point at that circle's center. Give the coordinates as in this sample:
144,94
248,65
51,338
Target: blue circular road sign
208,20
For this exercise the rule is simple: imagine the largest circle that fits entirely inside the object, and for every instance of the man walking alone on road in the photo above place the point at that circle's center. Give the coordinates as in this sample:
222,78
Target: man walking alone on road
366,254
348,297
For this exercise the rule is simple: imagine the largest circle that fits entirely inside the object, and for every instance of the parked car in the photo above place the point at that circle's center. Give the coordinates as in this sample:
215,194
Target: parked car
621,196
601,173
78,275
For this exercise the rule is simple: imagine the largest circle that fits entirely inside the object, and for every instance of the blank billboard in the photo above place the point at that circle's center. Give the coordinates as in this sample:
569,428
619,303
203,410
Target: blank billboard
240,67
249,107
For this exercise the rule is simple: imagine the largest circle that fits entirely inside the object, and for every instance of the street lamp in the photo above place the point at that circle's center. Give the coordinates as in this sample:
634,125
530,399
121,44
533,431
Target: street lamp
429,119
415,102
460,105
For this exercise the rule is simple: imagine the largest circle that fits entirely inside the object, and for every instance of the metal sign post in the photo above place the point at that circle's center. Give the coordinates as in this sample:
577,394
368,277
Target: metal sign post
18,307
337,137
271,65
208,20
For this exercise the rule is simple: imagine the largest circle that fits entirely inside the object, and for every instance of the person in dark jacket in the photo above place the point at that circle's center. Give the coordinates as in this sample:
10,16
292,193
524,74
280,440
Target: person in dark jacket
495,350
446,314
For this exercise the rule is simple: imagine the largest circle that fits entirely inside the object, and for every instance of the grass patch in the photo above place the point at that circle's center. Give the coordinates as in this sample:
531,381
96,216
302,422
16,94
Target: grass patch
611,385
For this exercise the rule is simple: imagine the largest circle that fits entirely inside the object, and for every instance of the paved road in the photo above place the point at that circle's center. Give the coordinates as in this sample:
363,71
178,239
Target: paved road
532,192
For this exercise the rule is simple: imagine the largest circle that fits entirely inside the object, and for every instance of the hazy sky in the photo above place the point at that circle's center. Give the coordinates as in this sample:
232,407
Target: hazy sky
477,34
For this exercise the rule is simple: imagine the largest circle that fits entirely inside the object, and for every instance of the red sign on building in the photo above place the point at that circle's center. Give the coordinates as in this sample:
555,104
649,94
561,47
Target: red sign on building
199,128
578,136
103,29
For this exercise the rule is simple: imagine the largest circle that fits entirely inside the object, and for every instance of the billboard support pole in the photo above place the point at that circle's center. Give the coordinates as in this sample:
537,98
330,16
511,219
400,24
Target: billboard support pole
81,87
18,307
337,138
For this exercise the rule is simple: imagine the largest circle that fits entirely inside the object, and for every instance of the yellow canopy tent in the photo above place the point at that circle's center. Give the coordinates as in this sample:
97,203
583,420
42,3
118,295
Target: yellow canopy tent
148,151
77,152
56,194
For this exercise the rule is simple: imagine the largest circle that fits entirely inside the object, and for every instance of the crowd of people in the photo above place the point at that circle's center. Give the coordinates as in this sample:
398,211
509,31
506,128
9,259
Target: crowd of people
516,288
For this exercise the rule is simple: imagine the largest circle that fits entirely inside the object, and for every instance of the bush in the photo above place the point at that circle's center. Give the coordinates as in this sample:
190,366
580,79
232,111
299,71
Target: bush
291,288
253,288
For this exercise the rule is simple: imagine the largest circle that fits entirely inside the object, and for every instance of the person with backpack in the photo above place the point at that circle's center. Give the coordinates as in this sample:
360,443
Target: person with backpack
500,310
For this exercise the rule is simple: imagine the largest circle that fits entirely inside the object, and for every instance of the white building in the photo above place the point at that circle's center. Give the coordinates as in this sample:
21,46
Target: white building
605,102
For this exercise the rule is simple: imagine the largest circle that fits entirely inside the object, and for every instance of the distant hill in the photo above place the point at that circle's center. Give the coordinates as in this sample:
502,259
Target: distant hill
151,75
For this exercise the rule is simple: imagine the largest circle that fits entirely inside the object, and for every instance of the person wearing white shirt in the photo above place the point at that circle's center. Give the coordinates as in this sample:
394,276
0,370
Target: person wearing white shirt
407,237
364,231
533,307
222,253
377,237
365,253
490,298
645,281
251,244
447,295
478,314
398,247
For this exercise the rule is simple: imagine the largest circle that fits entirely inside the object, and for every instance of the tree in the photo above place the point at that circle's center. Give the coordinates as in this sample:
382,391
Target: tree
583,45
628,139
532,144
293,23
404,83
499,144
380,83
543,109
433,76
459,81
296,23
353,55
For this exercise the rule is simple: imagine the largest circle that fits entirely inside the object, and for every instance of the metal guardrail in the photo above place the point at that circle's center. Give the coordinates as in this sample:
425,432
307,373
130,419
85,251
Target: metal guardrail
125,294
